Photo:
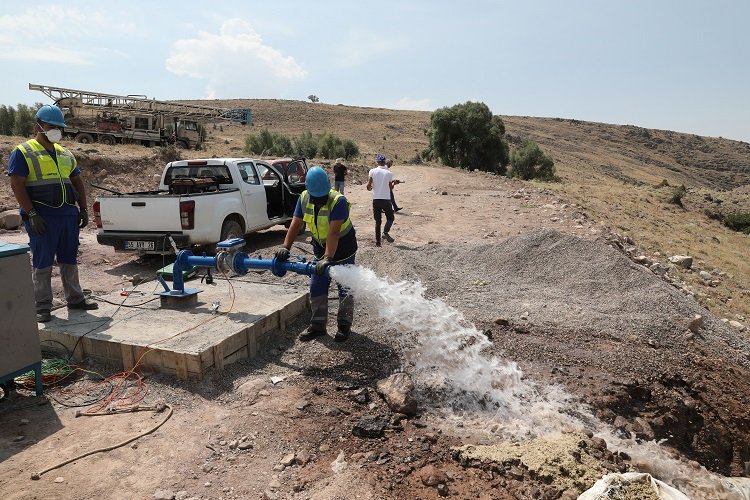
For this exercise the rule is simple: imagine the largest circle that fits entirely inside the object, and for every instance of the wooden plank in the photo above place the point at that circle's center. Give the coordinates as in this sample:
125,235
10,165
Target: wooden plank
181,366
236,356
218,351
128,359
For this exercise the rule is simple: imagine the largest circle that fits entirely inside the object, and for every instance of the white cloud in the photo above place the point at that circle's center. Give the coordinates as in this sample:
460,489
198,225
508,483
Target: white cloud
413,104
235,62
48,33
361,46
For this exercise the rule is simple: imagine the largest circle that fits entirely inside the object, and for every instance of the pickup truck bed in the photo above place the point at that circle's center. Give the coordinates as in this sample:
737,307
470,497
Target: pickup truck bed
200,202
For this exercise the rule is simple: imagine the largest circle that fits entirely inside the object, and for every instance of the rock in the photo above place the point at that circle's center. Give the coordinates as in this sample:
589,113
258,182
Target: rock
360,396
233,444
245,445
10,219
683,261
502,322
181,495
59,479
339,465
370,426
705,275
398,392
620,422
323,448
275,484
207,468
270,495
251,388
302,404
331,412
431,475
444,193
642,259
303,457
696,323
164,495
288,460
737,325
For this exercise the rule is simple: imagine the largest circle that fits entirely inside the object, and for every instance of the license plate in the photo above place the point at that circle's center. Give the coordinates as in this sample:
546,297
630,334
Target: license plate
139,245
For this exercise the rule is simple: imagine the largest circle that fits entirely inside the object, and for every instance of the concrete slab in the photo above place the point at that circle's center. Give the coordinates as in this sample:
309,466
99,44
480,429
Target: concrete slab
184,342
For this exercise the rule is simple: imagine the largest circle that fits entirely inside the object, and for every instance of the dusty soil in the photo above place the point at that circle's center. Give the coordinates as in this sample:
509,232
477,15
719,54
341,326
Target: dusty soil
545,285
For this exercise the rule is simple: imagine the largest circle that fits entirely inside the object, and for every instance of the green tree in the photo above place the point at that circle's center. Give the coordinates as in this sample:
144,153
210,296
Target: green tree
23,123
306,145
268,143
7,119
351,150
529,162
330,146
469,136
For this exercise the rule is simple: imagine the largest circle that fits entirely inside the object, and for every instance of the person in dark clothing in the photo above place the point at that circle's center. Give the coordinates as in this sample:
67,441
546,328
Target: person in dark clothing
396,208
339,175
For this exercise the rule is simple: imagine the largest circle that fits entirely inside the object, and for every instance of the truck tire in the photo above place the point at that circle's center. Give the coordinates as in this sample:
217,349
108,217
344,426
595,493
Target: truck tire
108,140
84,138
231,229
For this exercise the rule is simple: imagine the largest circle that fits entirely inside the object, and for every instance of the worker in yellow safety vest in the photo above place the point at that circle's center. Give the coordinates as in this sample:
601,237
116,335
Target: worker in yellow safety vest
46,182
326,214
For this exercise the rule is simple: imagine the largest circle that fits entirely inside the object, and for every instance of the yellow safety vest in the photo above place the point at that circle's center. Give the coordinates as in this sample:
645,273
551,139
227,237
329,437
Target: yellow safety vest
318,226
48,182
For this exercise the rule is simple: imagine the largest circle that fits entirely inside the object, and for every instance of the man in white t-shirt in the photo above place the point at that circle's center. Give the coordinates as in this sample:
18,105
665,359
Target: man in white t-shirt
380,182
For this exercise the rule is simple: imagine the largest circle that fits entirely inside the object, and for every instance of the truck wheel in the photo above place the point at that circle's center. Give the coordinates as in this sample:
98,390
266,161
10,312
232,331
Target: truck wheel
231,229
84,138
182,144
107,139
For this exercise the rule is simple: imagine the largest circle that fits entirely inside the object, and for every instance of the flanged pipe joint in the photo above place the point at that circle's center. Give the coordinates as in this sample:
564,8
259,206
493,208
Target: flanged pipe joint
230,258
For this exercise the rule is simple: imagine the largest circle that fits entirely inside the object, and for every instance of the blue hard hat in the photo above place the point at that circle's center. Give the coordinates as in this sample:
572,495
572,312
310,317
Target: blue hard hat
317,182
380,158
51,114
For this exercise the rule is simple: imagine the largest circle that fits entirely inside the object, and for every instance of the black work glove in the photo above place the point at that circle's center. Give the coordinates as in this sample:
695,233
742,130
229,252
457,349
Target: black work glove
83,218
321,264
282,254
36,222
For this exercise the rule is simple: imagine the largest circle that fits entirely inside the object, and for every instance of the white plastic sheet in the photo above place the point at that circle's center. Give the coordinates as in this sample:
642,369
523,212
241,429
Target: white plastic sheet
611,486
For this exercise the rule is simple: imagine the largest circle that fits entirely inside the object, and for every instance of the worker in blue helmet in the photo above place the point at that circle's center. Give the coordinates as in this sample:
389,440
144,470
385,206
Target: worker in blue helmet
46,182
334,241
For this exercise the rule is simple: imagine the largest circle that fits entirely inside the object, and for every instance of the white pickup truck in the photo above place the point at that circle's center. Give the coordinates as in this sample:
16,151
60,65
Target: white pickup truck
200,202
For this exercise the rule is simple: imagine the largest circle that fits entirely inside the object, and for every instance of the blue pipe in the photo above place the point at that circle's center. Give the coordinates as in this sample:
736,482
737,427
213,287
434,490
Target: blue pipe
241,264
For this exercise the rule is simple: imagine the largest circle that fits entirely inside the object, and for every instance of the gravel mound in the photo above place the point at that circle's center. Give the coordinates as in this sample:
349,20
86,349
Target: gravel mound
581,313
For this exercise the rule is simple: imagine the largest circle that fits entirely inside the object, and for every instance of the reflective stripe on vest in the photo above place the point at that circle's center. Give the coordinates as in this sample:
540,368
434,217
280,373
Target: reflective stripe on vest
319,230
48,182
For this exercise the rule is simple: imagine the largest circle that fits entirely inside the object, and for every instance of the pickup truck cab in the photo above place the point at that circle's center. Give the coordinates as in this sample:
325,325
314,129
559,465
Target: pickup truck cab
199,202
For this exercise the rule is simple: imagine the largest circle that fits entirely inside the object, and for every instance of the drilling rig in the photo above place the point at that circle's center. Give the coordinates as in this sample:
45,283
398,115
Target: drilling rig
136,119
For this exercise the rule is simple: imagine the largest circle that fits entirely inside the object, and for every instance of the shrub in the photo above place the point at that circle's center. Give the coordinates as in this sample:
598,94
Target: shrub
469,136
168,153
738,221
663,183
529,162
268,143
325,145
306,145
677,195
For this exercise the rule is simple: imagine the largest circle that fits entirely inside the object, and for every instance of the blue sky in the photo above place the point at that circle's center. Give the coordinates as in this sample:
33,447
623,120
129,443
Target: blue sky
678,65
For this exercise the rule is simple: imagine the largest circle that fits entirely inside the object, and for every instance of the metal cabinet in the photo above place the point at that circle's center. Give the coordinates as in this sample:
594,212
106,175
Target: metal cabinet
20,350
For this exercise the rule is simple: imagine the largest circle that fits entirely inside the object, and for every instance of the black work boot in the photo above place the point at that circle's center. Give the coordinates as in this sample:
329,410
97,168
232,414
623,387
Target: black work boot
343,333
311,333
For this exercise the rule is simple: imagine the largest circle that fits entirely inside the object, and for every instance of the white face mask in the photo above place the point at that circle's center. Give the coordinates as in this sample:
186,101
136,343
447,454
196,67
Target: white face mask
53,135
